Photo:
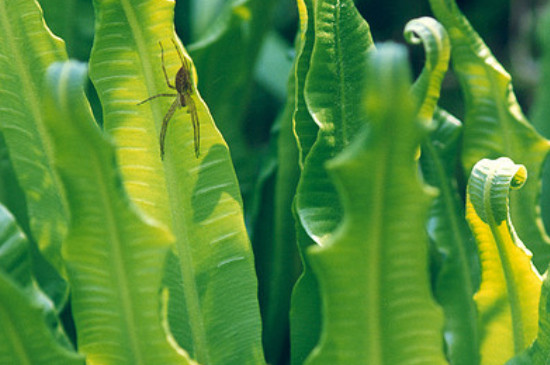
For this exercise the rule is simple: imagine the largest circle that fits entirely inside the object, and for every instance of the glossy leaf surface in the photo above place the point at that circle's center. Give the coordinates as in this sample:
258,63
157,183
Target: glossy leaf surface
537,353
305,310
333,90
509,293
494,123
435,40
27,48
303,124
30,332
198,198
113,253
374,266
447,228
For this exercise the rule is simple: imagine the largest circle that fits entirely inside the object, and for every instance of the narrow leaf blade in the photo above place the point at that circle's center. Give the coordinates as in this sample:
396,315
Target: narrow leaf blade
30,331
198,198
375,264
333,91
494,124
27,48
510,286
457,279
113,253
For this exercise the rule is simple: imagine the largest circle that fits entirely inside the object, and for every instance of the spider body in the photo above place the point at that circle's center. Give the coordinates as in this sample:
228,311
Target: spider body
183,81
184,88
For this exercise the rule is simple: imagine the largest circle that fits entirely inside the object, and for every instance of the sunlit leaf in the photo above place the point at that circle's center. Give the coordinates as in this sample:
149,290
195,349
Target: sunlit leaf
305,128
447,228
509,293
27,48
198,198
333,92
494,125
538,352
428,32
113,253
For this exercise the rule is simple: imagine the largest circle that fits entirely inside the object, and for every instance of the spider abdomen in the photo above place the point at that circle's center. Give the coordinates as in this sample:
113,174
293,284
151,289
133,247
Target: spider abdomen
183,81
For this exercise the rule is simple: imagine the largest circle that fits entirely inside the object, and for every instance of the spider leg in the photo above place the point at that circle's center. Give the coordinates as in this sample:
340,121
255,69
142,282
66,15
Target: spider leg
192,110
184,63
164,126
156,96
164,68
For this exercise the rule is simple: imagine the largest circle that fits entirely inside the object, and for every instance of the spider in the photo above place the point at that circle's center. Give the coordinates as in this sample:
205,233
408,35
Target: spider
184,90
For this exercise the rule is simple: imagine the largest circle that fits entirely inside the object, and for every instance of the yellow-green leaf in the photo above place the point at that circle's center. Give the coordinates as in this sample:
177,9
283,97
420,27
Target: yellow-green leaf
508,296
113,253
197,198
494,125
30,332
27,48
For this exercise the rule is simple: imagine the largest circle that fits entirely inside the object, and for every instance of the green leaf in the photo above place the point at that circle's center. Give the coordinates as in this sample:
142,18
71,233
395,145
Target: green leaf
27,48
273,63
286,249
431,34
303,124
540,109
197,198
113,253
73,21
305,310
30,331
274,236
11,194
333,93
494,123
456,280
176,311
375,265
204,14
510,286
15,260
25,336
235,36
537,353
330,73
305,307
447,228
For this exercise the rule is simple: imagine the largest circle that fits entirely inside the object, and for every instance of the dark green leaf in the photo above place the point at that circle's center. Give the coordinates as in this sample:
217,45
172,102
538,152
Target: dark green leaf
377,303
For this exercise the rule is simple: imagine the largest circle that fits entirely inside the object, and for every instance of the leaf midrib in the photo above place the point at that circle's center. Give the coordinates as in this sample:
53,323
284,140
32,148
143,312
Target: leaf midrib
342,95
18,63
115,237
197,327
447,196
511,287
374,266
33,101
